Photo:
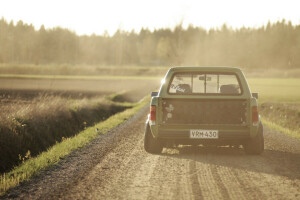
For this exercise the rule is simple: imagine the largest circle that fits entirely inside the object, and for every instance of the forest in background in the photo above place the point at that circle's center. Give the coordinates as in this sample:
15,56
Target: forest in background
276,45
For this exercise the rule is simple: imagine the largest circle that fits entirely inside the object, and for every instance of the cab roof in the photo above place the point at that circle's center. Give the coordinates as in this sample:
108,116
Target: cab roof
204,69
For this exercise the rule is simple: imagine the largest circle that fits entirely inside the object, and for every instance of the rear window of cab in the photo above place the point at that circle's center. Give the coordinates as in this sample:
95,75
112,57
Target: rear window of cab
204,83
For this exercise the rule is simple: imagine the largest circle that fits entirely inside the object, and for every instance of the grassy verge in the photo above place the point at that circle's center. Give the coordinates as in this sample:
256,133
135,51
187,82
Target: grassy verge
35,165
283,117
277,127
30,127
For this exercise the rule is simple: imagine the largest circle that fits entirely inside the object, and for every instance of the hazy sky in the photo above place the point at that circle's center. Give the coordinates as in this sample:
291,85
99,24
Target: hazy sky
96,16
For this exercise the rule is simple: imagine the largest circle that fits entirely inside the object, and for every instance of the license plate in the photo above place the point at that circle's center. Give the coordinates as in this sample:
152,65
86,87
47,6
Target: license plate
204,134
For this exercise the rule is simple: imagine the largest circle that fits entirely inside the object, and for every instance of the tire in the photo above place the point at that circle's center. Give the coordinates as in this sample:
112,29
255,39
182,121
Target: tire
151,144
256,145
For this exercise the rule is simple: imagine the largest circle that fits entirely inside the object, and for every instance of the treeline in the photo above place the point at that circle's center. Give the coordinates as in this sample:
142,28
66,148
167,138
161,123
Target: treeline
275,45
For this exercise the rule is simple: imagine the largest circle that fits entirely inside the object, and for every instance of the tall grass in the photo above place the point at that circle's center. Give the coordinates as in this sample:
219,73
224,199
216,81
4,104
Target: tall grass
282,117
52,156
28,128
280,128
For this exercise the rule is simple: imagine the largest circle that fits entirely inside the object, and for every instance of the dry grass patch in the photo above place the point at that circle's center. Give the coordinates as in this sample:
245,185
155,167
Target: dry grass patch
282,117
29,127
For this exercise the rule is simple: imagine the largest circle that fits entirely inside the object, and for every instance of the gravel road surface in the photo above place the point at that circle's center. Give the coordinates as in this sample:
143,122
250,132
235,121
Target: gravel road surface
115,166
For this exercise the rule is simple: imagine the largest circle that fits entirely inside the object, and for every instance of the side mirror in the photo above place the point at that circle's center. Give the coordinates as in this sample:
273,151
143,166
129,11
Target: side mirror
154,94
255,95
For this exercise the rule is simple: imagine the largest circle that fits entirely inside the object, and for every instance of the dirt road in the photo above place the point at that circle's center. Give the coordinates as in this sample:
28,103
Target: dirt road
115,166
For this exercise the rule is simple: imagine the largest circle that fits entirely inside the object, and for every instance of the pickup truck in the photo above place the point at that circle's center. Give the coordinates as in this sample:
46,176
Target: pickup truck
204,106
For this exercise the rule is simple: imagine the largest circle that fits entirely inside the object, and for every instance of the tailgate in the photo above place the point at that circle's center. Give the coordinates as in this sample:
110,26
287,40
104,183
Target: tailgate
204,111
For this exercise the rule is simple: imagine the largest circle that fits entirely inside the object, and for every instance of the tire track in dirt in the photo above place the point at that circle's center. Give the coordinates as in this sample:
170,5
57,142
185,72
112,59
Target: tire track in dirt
231,184
194,182
219,182
180,186
207,182
163,180
140,183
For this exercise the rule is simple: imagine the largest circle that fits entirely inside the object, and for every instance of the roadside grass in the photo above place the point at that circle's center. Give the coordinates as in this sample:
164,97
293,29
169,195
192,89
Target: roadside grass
282,117
279,101
279,128
54,154
30,126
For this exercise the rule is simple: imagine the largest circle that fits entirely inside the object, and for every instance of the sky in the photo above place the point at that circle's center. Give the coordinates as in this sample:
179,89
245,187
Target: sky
99,16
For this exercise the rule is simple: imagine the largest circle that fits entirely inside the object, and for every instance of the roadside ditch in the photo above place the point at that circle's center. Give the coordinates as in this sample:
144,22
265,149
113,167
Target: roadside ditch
27,129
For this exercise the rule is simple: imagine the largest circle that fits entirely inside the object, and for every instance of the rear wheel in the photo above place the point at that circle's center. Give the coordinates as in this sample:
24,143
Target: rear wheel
255,146
151,144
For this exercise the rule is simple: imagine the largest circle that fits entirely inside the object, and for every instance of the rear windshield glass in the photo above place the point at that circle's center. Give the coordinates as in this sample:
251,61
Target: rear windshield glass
205,83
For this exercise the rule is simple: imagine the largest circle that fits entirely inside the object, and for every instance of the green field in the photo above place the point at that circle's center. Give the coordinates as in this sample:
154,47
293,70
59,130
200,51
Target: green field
276,89
80,77
270,84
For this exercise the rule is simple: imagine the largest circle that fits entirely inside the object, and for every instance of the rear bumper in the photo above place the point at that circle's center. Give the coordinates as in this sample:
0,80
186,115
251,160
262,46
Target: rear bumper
226,136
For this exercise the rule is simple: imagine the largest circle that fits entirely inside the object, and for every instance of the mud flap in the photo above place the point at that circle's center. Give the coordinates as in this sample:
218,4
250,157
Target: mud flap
255,146
151,145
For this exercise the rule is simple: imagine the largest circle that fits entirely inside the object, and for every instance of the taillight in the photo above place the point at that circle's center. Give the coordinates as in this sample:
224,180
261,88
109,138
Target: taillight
153,113
254,114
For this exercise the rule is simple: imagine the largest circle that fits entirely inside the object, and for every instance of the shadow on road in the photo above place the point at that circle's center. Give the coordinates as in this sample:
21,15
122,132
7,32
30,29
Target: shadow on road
270,162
